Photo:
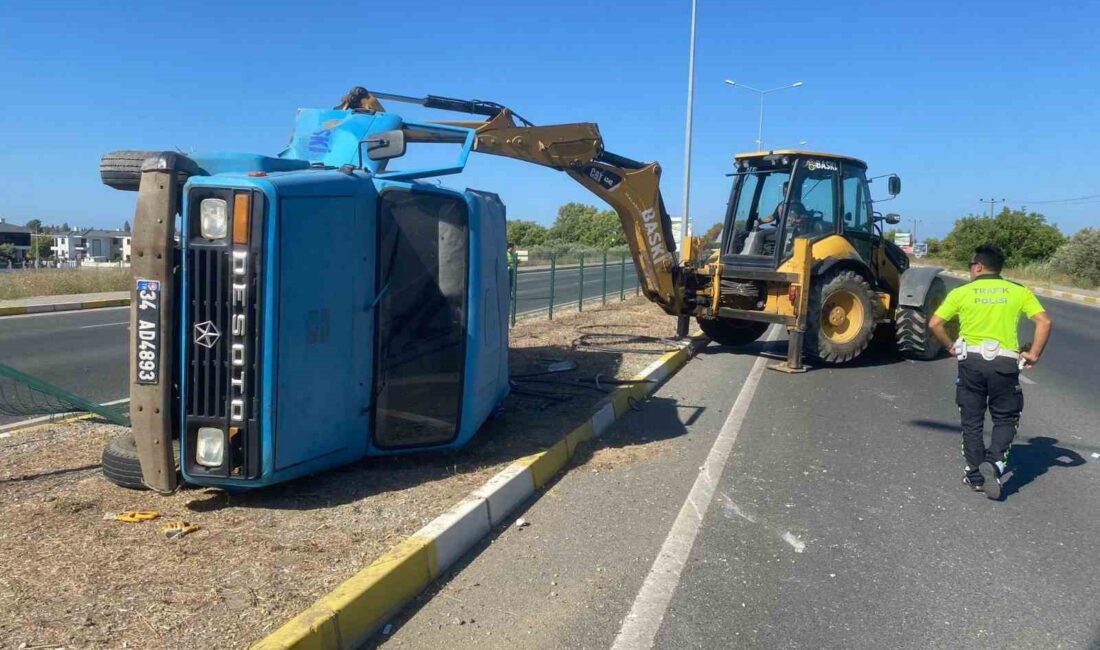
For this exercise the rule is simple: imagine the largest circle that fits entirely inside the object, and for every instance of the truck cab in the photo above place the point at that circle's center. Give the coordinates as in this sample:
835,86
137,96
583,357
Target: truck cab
330,308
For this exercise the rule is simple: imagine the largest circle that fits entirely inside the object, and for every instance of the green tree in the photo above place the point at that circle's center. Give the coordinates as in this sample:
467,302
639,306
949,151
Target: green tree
1079,258
7,253
35,225
935,246
526,233
125,226
1023,236
712,233
584,224
44,246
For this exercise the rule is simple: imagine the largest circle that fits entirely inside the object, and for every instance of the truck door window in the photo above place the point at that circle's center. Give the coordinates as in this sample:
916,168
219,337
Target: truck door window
421,318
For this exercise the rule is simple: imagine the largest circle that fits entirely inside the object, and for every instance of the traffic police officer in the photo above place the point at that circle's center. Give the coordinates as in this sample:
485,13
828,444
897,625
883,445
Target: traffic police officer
990,359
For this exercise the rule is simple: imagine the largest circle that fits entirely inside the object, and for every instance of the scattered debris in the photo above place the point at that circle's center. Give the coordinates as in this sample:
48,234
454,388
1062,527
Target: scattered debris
798,544
388,629
522,523
177,529
136,516
1095,455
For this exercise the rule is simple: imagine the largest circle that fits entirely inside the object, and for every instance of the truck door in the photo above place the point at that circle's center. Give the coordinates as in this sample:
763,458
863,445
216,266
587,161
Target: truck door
420,359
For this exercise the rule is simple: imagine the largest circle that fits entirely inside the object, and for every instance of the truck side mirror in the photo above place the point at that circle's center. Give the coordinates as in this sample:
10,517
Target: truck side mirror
894,185
385,145
893,218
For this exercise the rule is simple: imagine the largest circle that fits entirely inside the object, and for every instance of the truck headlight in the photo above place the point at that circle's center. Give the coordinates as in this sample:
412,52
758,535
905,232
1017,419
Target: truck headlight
214,218
210,446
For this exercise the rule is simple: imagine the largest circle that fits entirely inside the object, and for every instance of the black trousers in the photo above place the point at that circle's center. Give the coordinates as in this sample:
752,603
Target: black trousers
992,385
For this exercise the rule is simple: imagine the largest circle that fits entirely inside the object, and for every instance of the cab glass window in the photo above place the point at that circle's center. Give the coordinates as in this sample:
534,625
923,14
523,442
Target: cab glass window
811,209
857,204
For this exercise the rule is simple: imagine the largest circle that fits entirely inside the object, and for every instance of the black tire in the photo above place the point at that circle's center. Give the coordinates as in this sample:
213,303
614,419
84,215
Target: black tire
732,331
825,339
120,462
122,169
912,335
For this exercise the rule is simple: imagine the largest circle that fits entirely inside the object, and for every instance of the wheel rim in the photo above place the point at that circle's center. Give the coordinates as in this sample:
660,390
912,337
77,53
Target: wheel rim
842,317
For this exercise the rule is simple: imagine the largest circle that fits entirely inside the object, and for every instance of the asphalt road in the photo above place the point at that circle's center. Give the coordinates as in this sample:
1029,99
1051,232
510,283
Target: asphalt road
835,518
84,352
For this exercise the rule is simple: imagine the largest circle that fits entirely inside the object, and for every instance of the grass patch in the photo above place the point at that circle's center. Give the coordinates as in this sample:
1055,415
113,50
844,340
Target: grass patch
54,282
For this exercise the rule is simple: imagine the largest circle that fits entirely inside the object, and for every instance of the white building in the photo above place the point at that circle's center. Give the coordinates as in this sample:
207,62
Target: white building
93,245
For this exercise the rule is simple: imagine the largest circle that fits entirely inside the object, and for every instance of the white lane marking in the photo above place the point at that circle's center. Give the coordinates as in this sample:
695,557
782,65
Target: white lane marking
88,327
640,626
1028,380
47,418
71,312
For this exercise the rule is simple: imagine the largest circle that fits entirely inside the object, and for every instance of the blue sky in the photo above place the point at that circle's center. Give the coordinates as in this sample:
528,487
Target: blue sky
965,100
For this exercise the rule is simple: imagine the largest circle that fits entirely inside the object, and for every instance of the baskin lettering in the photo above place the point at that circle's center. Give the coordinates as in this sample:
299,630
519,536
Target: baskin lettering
826,165
238,327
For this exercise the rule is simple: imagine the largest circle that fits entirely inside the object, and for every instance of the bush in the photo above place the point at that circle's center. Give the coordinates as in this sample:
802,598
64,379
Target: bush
935,246
1079,258
1024,237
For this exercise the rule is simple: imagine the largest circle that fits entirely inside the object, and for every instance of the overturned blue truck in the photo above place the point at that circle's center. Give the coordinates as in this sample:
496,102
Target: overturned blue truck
297,312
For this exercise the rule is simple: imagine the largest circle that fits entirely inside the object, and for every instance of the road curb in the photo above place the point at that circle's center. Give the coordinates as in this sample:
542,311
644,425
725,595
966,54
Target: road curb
347,616
63,306
1078,298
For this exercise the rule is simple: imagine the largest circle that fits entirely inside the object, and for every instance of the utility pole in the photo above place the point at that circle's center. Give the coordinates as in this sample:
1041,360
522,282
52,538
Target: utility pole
915,222
991,202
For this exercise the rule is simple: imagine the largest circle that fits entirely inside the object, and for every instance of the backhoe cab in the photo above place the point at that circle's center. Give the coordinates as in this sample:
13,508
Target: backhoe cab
803,247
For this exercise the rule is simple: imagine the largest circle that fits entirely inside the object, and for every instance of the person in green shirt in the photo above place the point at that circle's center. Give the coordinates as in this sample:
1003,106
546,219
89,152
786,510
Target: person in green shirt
513,268
989,309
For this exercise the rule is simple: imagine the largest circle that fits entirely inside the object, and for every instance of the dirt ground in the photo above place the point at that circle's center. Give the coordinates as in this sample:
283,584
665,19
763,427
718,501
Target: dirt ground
71,576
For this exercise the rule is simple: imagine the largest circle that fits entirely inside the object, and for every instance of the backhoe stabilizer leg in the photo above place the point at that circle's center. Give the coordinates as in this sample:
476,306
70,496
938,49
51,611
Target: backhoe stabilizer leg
793,364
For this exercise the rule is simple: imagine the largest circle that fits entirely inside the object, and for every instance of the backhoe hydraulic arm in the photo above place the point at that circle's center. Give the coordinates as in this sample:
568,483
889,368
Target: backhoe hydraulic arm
632,188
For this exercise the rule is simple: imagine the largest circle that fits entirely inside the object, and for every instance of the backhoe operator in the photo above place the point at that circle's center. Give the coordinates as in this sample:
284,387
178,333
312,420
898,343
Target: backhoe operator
990,357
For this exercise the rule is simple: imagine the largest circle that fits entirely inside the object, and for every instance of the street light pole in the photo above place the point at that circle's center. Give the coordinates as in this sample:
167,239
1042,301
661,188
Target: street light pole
682,322
687,130
760,127
915,222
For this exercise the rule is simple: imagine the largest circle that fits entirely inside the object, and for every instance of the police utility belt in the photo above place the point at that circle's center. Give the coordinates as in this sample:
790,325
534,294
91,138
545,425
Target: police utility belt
989,350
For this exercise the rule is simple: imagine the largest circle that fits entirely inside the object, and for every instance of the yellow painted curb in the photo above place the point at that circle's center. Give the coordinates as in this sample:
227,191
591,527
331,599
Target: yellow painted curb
347,616
98,304
12,311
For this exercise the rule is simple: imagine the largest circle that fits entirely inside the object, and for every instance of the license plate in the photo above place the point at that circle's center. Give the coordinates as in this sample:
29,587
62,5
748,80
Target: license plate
147,341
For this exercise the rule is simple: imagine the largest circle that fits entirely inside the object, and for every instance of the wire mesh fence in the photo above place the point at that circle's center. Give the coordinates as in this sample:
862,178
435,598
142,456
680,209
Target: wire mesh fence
571,282
22,395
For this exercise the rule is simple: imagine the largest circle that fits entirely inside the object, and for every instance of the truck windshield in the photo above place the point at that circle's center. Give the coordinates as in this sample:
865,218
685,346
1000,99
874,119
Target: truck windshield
759,195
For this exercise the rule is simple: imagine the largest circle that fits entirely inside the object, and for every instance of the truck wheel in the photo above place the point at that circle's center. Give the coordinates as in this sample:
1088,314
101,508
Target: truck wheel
841,318
732,331
912,335
122,169
120,462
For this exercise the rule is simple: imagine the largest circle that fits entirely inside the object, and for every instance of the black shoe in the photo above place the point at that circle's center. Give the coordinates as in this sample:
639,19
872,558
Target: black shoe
975,487
992,478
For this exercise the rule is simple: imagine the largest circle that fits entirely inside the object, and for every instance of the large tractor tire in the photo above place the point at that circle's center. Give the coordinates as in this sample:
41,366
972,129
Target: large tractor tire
122,169
120,462
912,335
841,318
732,331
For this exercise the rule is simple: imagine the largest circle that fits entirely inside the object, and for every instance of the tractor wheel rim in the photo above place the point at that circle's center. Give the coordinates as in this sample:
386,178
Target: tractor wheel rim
842,317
